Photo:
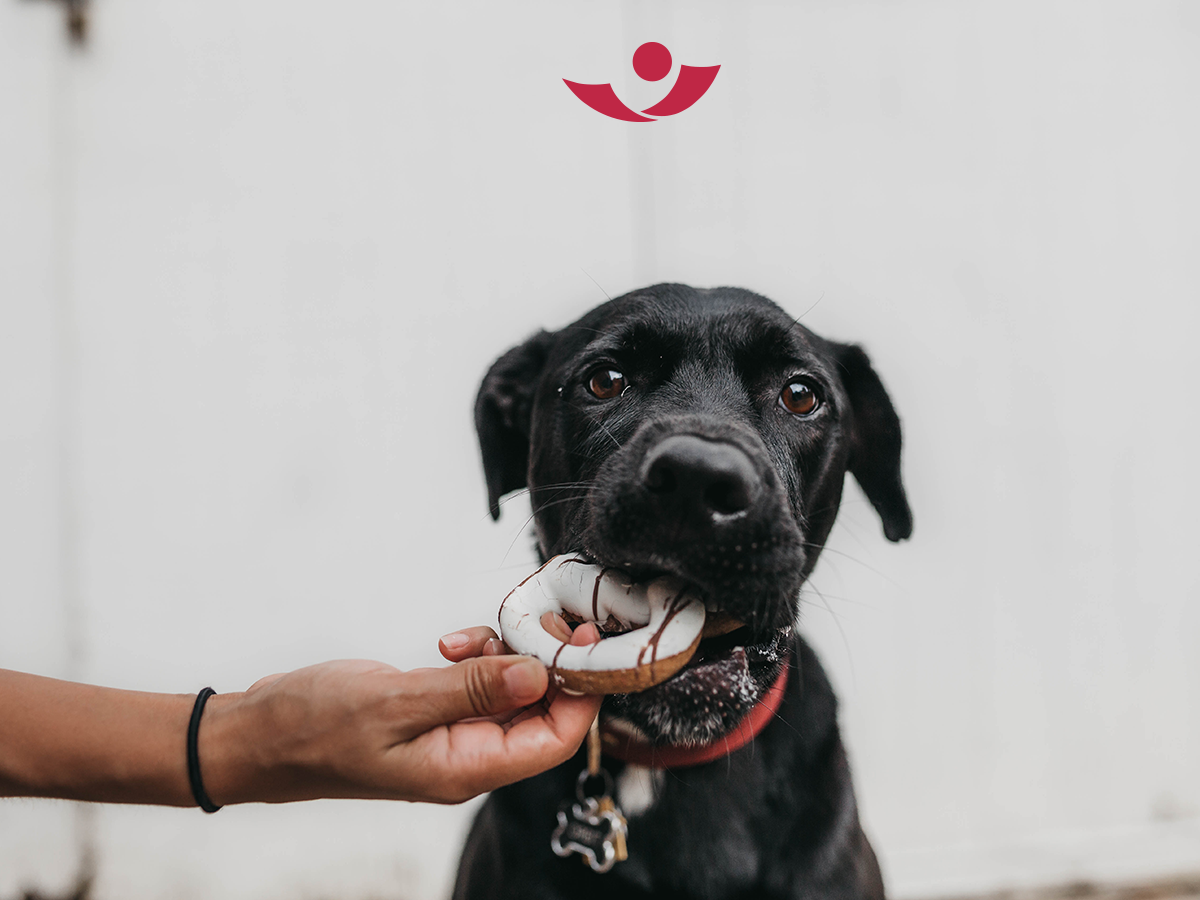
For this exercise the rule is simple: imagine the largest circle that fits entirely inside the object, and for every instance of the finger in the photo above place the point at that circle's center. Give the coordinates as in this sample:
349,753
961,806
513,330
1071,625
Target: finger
556,625
464,644
480,756
506,718
587,633
538,708
529,712
496,647
483,686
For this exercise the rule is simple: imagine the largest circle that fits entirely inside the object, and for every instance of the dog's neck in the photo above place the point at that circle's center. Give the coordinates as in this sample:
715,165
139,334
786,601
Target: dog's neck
623,742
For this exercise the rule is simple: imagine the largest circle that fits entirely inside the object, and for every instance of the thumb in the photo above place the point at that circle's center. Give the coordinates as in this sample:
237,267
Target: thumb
481,686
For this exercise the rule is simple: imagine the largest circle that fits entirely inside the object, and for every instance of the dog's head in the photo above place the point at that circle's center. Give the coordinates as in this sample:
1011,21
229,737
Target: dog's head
702,433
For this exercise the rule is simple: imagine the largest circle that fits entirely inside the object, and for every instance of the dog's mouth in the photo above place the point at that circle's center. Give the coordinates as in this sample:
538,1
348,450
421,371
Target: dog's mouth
730,672
715,656
706,699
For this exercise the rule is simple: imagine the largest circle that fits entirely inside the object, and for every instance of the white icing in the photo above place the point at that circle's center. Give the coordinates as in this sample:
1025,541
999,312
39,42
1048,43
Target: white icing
661,607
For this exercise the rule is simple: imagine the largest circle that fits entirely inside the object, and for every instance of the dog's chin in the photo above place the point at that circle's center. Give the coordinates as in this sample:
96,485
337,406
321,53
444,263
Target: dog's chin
707,698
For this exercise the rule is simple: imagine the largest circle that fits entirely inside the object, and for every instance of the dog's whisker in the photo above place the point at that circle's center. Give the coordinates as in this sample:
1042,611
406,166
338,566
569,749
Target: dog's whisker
837,620
604,428
585,483
866,565
578,327
777,716
505,501
796,320
547,487
841,598
845,528
552,503
584,486
515,495
520,533
560,497
595,282
592,445
508,567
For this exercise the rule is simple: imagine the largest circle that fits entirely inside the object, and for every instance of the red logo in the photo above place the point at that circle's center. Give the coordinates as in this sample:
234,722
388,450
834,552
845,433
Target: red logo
651,62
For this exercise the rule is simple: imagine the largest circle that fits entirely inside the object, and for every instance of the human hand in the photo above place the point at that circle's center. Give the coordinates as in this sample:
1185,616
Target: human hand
356,728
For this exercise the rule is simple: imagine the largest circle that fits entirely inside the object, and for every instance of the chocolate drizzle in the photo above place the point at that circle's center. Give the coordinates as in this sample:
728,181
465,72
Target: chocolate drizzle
673,609
596,595
557,653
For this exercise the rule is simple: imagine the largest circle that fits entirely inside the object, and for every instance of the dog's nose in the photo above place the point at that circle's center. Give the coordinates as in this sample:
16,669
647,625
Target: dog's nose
689,475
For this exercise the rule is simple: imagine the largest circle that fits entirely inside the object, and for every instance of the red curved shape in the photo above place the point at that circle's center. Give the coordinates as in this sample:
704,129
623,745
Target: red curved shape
602,99
690,86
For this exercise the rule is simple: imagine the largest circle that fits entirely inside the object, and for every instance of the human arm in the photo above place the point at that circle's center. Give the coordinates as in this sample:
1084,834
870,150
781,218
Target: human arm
338,729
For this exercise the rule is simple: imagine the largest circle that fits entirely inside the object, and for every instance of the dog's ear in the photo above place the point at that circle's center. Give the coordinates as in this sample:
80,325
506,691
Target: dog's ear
502,416
875,441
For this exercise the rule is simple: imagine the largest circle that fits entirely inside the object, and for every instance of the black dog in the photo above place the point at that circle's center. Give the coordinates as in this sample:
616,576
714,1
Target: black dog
706,434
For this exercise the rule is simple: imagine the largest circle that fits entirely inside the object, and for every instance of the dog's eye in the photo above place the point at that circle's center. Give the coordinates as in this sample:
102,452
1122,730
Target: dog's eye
799,399
606,383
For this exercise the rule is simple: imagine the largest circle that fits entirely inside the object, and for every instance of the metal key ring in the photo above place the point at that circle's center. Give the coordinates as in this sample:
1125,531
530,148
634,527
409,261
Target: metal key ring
583,778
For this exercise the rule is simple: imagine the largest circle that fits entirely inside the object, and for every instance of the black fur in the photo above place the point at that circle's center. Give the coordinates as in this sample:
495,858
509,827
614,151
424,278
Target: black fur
696,469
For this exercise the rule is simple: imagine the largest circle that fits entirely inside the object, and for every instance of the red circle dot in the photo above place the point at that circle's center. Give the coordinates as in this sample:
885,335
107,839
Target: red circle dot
652,61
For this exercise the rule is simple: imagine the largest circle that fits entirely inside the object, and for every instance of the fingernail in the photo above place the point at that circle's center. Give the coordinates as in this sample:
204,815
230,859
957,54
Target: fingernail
455,640
494,647
524,679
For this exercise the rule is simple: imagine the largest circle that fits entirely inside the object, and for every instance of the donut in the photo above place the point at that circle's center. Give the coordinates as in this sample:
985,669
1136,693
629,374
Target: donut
657,625
719,622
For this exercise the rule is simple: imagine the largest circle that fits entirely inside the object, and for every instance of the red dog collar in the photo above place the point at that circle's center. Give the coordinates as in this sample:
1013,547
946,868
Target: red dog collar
628,748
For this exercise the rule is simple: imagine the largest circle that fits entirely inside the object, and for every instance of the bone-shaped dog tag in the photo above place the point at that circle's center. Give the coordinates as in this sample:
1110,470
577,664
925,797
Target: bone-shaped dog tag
598,835
594,827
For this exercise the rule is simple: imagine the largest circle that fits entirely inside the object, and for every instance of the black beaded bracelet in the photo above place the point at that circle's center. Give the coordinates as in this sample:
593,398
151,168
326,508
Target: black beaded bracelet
193,754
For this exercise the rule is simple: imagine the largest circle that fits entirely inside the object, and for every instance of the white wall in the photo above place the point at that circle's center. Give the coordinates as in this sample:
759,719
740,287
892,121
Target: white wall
257,257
